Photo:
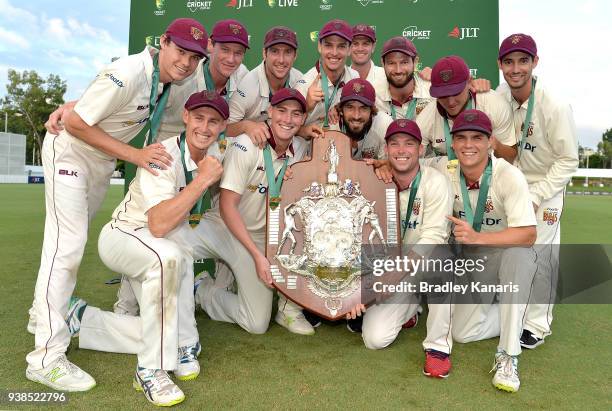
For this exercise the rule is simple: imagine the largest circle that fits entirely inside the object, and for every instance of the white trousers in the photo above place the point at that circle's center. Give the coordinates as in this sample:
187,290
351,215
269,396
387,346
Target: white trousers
475,322
539,314
160,271
75,186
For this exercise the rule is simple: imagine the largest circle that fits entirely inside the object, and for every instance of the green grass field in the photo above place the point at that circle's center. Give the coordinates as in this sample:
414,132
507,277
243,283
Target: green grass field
329,370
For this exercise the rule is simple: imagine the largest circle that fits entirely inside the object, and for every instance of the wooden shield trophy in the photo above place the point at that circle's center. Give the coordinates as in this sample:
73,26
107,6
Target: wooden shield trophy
330,208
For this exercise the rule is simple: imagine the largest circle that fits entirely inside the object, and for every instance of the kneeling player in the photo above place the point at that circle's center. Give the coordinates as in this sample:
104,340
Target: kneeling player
503,217
235,233
425,201
149,240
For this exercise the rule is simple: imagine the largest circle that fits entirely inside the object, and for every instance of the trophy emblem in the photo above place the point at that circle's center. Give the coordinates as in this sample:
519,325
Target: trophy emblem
329,210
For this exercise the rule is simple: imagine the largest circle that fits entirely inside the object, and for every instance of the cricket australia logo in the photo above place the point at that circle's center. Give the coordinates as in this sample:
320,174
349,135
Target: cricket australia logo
550,215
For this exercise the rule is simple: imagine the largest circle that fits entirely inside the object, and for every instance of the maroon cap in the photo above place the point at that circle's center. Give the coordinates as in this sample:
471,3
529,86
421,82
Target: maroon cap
404,126
449,77
400,44
230,31
188,34
474,120
285,94
360,90
280,35
364,30
210,99
339,28
518,42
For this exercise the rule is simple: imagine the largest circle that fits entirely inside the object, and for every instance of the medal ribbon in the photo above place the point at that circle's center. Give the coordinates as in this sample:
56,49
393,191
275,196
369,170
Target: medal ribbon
527,117
414,187
274,183
475,220
210,86
327,99
156,106
203,202
410,111
447,135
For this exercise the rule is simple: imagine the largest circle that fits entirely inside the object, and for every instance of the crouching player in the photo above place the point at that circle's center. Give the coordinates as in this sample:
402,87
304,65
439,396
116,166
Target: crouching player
492,207
425,201
149,240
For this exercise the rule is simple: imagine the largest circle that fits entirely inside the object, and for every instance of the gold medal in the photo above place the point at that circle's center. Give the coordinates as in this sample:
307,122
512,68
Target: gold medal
452,165
274,202
222,145
194,220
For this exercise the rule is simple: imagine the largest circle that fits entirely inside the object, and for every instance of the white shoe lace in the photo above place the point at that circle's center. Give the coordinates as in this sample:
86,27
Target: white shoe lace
69,367
507,364
188,353
159,381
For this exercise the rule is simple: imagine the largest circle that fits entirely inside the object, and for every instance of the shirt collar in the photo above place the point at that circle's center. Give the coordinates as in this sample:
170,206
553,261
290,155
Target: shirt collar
329,83
443,112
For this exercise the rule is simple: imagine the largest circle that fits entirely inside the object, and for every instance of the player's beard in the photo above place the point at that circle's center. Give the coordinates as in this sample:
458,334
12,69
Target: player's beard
402,84
360,135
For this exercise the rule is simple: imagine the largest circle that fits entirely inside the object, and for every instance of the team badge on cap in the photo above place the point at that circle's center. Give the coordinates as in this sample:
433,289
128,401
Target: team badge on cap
470,117
235,28
446,75
196,33
357,88
402,123
516,39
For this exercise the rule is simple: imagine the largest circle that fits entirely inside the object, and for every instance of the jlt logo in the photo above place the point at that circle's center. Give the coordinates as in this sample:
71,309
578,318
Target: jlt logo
239,4
464,32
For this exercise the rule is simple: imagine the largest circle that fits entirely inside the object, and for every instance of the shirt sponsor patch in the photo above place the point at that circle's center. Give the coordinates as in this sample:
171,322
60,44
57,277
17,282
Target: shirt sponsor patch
240,146
114,79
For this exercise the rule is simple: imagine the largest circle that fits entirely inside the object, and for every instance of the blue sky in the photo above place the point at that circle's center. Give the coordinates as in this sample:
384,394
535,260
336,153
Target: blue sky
76,38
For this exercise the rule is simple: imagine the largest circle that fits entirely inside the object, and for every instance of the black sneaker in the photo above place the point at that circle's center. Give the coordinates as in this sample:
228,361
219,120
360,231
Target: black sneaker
354,326
313,319
530,341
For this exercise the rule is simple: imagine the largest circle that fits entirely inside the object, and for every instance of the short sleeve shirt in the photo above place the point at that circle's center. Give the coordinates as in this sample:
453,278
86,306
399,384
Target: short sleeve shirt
252,97
244,173
117,100
431,122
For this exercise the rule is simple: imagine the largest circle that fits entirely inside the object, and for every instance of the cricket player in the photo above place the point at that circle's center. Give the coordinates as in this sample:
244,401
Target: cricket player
249,105
403,95
321,84
222,72
425,202
548,156
491,208
235,232
127,96
149,239
450,85
362,48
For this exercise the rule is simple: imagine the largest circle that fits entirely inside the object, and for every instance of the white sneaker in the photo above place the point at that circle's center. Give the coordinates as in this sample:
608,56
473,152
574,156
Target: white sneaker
62,375
75,313
295,322
157,387
506,376
188,365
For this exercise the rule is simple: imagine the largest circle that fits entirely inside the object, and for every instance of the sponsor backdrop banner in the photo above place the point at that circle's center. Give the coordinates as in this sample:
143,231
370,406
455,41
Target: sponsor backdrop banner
468,28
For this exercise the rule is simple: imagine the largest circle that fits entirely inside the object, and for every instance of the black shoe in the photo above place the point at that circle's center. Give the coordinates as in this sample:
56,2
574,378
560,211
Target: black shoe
313,319
354,326
530,341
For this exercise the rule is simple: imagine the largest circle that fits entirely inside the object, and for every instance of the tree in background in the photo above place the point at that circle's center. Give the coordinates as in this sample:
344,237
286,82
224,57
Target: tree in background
604,148
29,101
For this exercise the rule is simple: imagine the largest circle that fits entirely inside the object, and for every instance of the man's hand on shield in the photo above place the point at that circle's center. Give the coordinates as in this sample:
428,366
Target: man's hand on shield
356,311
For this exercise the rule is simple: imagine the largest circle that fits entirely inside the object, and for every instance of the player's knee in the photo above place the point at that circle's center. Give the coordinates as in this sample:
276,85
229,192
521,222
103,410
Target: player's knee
257,326
171,258
376,341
